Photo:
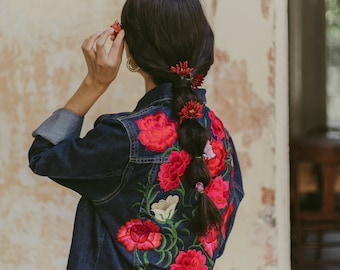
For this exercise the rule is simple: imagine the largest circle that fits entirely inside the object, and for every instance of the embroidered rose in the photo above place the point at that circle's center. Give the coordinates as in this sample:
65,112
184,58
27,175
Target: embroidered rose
157,132
210,241
171,174
225,218
139,234
218,191
216,125
190,260
218,163
165,209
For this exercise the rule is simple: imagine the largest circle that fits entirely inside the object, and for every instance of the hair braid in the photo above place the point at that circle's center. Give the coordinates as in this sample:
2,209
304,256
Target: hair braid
193,137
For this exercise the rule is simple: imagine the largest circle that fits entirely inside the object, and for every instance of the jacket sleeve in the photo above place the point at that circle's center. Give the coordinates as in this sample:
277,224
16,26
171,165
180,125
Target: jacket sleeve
92,165
238,194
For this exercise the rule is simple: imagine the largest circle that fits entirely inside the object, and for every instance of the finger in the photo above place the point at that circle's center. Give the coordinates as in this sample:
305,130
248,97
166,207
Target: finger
87,46
100,44
117,48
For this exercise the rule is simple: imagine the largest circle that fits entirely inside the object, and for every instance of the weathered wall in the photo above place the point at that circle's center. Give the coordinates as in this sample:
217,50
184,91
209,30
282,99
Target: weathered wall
41,66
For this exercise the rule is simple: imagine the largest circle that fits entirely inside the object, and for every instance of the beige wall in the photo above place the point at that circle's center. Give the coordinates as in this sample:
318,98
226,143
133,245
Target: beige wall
42,64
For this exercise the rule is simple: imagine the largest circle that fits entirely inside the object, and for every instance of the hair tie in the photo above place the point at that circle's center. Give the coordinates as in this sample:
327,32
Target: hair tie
199,187
200,157
192,109
185,73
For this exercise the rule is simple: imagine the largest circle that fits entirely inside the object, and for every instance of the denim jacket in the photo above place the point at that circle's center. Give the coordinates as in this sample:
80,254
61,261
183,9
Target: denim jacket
135,207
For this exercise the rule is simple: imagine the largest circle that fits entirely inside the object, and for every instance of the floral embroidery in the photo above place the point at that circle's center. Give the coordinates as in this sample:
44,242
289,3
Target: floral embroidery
208,152
159,233
157,132
165,209
190,260
172,173
216,125
210,241
218,191
225,218
192,109
217,164
139,234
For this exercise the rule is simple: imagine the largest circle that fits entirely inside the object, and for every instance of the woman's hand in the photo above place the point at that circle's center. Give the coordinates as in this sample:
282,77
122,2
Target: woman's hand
102,67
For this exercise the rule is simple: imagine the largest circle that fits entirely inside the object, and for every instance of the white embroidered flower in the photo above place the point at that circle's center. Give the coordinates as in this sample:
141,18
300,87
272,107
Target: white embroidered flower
165,209
208,151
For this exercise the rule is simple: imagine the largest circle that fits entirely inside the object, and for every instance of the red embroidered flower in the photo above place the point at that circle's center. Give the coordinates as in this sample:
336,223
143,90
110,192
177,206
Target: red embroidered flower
210,241
225,218
197,81
218,163
190,260
181,69
216,125
157,132
192,109
139,234
117,27
171,174
218,191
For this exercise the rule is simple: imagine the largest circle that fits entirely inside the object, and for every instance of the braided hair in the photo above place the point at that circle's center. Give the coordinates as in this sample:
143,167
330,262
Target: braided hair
159,35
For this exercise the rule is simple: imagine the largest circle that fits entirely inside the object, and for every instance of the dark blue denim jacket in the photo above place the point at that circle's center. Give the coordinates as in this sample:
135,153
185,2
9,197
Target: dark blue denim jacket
135,208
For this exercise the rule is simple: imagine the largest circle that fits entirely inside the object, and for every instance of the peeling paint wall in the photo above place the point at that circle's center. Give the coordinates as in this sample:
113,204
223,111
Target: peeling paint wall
41,66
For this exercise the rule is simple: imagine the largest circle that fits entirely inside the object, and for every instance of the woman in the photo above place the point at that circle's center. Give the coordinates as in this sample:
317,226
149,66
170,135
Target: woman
160,185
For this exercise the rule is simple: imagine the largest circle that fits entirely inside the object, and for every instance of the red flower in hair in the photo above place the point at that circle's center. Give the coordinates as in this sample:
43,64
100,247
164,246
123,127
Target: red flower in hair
181,69
192,109
197,81
117,27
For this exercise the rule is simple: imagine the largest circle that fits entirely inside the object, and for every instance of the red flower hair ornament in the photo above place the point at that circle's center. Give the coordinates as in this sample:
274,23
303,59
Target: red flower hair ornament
192,109
185,73
117,27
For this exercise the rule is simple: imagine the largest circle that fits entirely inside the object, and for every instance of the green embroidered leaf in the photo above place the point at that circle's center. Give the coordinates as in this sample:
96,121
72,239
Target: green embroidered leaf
163,245
161,259
168,262
146,259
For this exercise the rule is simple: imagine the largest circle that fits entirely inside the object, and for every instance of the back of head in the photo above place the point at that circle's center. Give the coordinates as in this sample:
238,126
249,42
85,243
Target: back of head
161,33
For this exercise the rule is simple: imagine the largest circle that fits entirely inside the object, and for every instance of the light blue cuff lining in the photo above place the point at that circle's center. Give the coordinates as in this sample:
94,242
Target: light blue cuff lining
62,124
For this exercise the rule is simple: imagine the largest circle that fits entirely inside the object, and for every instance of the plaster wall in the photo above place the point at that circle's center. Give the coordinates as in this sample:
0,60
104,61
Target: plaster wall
42,65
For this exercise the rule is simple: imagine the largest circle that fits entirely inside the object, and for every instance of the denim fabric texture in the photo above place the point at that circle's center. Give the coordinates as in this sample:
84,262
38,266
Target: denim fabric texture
132,213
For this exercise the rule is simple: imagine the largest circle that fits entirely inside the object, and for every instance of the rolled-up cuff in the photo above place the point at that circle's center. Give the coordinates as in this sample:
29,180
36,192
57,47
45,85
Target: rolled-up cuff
62,124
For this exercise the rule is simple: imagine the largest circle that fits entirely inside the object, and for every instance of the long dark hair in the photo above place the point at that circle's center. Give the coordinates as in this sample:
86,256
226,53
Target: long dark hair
160,34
